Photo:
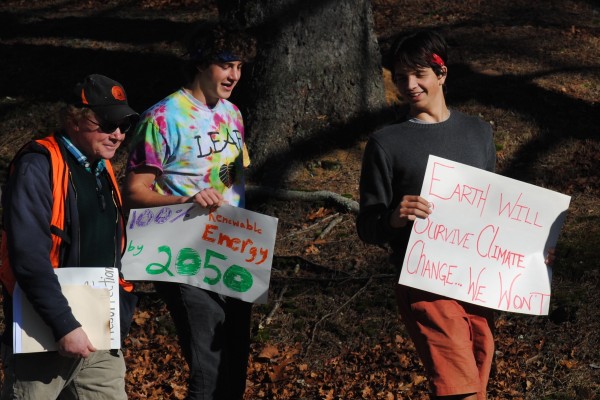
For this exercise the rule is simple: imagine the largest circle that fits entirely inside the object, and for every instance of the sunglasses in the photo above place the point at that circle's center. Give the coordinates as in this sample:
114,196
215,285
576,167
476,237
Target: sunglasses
111,127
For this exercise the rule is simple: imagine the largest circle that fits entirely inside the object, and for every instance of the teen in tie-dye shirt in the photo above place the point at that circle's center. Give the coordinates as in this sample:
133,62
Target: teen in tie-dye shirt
193,146
189,147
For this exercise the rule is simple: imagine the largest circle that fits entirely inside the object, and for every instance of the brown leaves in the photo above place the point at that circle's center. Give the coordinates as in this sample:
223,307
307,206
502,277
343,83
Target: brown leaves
273,370
370,372
530,360
320,213
312,249
141,317
155,366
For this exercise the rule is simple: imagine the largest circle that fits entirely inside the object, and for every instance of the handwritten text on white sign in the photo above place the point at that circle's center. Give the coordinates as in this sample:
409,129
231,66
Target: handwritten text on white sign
228,251
485,241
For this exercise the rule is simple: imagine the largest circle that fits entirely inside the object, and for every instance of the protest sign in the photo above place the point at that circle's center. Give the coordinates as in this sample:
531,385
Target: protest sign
93,295
486,239
227,251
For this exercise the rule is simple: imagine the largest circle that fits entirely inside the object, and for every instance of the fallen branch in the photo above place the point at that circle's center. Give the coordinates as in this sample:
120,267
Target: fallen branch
314,332
316,224
280,262
275,278
330,227
267,320
338,200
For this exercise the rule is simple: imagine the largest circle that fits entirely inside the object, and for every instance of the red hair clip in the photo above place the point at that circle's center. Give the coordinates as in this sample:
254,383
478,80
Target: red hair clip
437,60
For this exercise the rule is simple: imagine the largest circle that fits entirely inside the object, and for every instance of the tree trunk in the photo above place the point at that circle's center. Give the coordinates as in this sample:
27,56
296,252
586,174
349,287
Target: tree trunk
316,83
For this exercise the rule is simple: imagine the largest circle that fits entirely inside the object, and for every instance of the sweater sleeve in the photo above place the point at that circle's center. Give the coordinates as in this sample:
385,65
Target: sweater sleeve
376,195
29,242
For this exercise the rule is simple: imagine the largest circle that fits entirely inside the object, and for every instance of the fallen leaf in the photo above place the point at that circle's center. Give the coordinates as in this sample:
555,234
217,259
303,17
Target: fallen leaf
268,353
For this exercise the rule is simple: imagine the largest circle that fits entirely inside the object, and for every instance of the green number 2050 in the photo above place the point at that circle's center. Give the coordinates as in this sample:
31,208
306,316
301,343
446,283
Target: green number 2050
188,263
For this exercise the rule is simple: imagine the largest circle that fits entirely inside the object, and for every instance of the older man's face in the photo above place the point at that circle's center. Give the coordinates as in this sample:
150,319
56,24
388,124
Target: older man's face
93,140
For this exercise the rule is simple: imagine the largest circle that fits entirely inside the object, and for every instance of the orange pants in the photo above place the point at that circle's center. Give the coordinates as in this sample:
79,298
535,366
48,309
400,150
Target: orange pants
454,340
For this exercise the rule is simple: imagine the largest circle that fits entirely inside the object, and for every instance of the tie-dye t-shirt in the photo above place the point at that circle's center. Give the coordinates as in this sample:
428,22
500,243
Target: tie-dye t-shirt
193,146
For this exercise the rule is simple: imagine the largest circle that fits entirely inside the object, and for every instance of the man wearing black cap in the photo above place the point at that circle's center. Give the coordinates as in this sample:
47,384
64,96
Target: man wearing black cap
62,208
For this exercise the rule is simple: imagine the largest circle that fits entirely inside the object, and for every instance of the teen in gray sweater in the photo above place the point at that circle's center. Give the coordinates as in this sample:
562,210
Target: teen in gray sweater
454,339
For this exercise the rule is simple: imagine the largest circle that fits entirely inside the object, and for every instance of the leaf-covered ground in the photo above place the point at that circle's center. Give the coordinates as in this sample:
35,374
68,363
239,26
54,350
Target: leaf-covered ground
330,329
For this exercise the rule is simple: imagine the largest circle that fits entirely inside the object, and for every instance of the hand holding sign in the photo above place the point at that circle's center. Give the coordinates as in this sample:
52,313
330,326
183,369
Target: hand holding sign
486,239
409,209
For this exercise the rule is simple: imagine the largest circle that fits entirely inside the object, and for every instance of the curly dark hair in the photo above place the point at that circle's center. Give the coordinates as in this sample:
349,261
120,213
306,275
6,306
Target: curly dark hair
209,45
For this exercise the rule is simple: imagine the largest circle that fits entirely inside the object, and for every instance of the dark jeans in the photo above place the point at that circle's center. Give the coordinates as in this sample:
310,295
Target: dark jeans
214,334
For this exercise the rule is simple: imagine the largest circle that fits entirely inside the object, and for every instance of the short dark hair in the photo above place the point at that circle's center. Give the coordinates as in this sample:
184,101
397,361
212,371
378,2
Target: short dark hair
417,51
209,45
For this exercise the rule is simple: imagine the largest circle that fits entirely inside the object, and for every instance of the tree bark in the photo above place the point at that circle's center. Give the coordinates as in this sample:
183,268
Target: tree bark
316,83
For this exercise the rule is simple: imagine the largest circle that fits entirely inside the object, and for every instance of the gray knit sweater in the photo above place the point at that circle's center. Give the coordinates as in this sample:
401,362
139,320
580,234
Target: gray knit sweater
394,165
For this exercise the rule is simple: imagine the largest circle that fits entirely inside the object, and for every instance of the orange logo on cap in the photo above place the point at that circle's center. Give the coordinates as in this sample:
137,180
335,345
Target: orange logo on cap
83,99
118,93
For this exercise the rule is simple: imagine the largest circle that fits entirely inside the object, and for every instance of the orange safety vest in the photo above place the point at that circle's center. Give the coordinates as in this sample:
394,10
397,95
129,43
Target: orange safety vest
60,182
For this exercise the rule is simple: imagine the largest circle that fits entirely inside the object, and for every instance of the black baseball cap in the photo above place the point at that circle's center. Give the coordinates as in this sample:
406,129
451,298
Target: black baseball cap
105,97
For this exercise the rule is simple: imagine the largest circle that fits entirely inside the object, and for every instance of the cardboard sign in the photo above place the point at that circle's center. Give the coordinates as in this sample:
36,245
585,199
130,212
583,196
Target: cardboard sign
486,240
228,251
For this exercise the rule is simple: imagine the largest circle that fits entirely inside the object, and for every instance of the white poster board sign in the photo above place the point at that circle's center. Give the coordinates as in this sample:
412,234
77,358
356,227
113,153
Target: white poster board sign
227,251
93,295
485,241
